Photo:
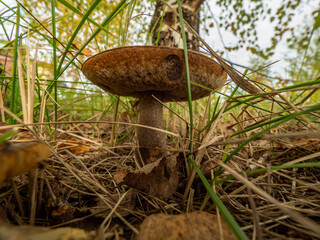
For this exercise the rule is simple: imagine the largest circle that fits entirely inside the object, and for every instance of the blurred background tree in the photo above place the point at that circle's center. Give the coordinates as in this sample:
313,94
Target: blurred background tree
153,22
242,18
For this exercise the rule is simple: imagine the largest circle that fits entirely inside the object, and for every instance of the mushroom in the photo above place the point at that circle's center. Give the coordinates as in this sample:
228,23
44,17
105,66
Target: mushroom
146,72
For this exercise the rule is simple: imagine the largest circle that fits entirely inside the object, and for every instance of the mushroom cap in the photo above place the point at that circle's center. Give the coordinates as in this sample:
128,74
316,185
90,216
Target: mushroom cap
139,70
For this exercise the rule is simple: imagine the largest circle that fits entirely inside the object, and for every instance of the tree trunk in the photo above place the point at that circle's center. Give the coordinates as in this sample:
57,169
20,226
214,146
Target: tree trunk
169,33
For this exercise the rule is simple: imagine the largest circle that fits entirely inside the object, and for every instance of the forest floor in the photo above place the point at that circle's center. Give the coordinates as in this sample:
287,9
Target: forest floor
77,186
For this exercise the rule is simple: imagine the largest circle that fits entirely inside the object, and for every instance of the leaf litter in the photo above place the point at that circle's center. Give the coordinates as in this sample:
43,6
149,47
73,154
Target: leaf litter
89,188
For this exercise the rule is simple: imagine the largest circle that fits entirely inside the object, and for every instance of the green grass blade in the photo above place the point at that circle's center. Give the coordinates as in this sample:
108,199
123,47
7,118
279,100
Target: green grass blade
77,11
109,18
54,46
120,30
160,24
218,112
315,26
185,51
3,28
277,122
76,31
7,135
14,82
272,168
222,208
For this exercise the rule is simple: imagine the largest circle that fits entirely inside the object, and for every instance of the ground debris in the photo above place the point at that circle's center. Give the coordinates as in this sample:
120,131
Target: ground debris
195,225
17,158
10,232
159,178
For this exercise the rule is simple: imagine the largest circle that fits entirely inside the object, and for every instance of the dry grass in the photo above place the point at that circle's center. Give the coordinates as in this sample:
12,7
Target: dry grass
76,188
266,172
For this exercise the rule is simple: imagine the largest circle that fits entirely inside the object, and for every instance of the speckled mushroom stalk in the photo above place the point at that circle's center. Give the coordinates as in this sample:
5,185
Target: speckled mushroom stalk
152,143
143,71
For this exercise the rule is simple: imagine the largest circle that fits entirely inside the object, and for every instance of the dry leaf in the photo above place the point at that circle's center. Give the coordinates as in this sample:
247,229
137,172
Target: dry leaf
79,149
61,214
120,175
196,225
10,232
159,178
75,145
21,157
84,51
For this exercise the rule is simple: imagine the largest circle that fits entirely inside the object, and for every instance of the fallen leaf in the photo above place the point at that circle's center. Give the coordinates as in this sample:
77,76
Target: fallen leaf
75,145
195,225
61,214
79,149
120,175
10,232
84,51
60,210
159,178
21,157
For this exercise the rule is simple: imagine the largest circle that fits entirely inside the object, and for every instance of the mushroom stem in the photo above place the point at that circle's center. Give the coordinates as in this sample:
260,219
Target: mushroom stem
151,142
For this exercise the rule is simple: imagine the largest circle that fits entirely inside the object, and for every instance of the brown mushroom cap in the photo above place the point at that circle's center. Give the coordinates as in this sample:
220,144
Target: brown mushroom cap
133,71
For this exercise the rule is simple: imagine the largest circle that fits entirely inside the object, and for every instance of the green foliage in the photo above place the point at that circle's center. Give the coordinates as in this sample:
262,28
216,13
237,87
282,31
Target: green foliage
307,49
222,208
307,64
7,135
242,18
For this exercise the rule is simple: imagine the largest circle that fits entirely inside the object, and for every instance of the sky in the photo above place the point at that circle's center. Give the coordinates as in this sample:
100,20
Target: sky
265,29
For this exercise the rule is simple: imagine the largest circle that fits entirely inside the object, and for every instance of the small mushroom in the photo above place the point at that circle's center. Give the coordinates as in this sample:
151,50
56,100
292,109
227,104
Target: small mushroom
146,72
